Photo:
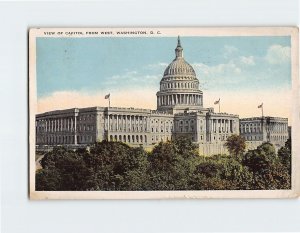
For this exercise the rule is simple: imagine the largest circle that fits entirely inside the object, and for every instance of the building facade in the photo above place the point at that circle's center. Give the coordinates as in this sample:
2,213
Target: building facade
179,112
257,130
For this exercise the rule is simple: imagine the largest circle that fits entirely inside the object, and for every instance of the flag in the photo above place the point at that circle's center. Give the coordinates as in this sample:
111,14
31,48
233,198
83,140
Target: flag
107,96
218,101
260,106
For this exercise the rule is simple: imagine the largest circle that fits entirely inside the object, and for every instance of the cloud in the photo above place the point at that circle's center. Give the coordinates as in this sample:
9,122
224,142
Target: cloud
278,54
132,79
247,60
225,73
239,71
229,51
244,103
159,66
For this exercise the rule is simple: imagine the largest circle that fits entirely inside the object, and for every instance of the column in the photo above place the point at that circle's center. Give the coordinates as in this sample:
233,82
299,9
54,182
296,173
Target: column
122,123
214,125
117,118
71,124
75,130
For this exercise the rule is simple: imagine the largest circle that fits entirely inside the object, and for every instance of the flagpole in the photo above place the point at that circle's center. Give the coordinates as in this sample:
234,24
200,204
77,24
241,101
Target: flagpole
219,105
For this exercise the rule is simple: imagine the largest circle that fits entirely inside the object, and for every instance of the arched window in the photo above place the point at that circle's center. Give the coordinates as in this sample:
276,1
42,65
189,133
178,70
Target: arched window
111,138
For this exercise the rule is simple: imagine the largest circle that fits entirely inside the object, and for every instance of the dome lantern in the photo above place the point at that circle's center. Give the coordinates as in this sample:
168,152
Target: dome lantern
179,49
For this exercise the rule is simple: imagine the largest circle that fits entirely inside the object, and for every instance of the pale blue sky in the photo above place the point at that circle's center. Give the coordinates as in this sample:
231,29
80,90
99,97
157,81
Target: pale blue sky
90,65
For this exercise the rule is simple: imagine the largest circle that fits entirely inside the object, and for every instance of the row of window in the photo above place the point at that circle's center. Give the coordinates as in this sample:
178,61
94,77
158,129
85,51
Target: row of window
179,85
129,138
85,127
251,130
69,128
64,139
272,138
162,129
161,122
86,117
132,128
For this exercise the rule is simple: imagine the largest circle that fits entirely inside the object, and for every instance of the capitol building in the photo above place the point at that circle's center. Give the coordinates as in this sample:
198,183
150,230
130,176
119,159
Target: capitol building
180,112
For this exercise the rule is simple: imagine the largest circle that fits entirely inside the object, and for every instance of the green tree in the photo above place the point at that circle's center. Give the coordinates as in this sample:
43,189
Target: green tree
285,155
47,180
268,171
65,166
172,164
116,166
236,145
221,172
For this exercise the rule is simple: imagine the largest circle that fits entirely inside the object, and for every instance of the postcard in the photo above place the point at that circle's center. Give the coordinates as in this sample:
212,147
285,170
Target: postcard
156,113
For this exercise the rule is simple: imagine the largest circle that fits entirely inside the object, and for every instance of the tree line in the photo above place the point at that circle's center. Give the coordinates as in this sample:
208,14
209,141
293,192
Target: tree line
171,165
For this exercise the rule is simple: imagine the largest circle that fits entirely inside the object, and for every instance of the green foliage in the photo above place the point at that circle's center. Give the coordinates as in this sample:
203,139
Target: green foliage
221,173
235,144
48,180
116,166
268,171
285,155
172,165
